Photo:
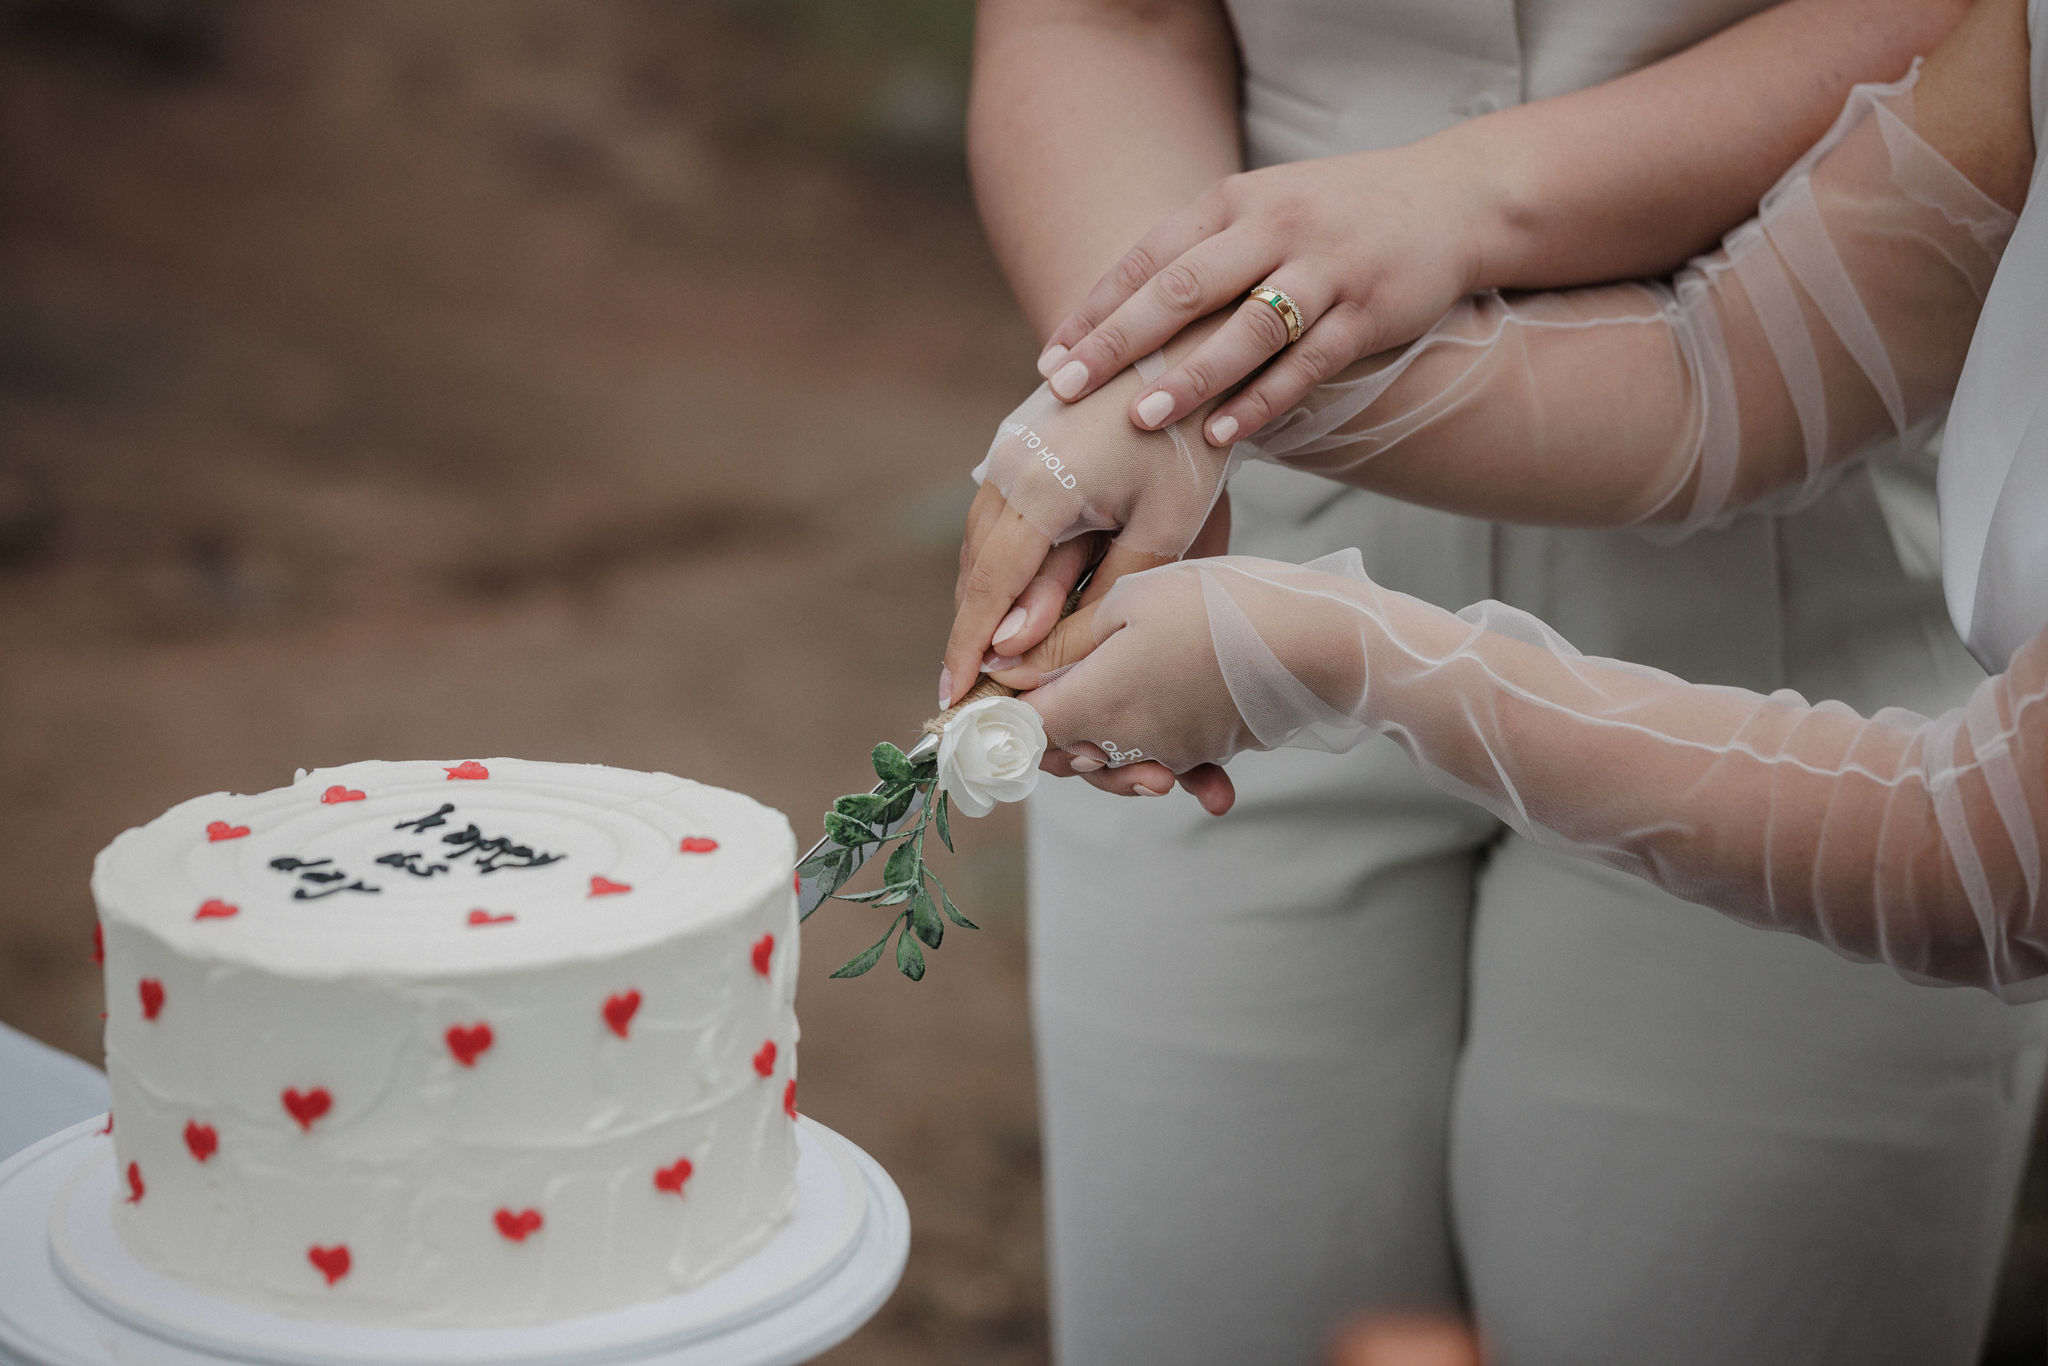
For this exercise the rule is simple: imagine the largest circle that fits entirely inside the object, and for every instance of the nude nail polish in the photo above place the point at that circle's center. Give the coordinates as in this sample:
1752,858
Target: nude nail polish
1049,360
1081,763
993,663
1012,624
945,686
1144,791
1223,430
1068,379
1153,408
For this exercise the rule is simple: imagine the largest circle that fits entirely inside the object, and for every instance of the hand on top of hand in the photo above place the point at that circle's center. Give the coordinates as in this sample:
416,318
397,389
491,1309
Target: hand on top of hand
1060,481
1371,247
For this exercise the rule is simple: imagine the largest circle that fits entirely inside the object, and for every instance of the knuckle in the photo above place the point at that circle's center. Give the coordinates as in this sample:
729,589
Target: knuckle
1256,406
1265,324
1200,378
981,581
1109,343
1310,361
1131,272
1181,285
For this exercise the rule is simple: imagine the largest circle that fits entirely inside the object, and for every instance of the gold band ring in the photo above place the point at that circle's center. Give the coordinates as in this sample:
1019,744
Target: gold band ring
1289,312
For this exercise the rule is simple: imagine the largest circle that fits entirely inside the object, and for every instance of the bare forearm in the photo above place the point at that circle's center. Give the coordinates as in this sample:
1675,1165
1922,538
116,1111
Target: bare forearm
1623,403
1634,176
1061,197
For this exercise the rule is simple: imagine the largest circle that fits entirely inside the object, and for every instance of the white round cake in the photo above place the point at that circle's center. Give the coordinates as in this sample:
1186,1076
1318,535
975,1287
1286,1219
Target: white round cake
463,1043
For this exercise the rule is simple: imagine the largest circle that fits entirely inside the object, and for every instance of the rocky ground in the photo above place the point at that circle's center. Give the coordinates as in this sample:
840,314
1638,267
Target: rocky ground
588,381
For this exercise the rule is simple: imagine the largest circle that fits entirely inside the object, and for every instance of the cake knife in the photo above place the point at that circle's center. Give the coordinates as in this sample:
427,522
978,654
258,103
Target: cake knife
810,893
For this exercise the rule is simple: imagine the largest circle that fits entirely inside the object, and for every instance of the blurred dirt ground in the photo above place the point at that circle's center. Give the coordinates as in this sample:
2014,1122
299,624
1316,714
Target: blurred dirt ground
575,379
590,381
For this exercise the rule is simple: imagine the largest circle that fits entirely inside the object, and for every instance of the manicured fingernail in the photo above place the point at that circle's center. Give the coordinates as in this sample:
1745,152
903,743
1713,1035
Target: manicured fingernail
1144,791
1082,763
1153,408
1068,381
993,663
1049,359
1223,430
1012,624
945,686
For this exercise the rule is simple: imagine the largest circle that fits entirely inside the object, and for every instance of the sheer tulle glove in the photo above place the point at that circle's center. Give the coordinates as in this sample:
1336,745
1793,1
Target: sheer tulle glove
1828,328
1060,483
1069,470
1898,838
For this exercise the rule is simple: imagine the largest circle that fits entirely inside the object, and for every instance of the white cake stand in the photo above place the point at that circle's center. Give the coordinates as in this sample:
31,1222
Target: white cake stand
71,1295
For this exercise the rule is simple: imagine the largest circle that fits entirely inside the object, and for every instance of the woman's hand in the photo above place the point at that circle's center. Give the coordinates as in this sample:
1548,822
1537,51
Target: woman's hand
1372,247
1065,487
1132,689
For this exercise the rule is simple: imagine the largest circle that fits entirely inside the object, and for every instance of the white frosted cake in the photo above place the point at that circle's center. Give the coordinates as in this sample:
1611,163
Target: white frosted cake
458,1043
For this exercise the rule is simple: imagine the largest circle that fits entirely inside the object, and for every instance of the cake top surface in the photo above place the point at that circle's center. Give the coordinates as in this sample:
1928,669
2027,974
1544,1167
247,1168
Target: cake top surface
444,867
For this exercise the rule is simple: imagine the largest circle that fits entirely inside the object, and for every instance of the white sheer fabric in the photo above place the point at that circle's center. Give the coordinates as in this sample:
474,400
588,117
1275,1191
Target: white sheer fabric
1829,328
1834,323
1072,469
1893,837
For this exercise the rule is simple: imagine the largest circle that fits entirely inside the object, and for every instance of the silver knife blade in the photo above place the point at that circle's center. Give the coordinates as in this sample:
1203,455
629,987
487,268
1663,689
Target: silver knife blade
810,893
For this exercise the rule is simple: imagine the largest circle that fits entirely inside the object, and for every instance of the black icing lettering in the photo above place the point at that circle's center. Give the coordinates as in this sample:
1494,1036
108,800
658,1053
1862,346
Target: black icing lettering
429,821
410,863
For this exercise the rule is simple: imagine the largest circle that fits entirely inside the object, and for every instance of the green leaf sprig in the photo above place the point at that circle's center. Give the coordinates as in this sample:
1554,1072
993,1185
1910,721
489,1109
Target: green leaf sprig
864,818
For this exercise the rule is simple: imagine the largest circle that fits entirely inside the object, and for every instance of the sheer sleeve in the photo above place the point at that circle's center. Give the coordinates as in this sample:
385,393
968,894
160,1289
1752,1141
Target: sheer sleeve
1828,328
1895,837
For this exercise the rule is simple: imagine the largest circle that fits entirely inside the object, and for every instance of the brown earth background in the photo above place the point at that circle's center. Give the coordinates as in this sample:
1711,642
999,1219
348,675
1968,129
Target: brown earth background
576,379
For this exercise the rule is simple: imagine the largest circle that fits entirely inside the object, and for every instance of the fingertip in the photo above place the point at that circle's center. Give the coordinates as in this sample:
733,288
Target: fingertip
1069,380
1222,430
1050,359
1153,409
1210,785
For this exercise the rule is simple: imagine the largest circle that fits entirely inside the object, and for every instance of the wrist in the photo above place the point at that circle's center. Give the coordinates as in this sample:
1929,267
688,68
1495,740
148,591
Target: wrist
1491,201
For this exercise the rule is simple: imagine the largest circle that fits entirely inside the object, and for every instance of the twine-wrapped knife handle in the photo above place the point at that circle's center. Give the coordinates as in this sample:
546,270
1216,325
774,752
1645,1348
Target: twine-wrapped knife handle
985,686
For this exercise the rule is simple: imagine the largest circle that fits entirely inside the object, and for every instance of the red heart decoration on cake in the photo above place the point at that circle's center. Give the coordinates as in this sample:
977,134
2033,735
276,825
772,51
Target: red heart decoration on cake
789,1098
216,909
201,1139
307,1106
152,993
99,943
331,1262
217,831
334,794
604,886
698,844
468,768
481,917
764,1058
618,1010
110,1123
465,1042
671,1179
134,1184
517,1226
763,947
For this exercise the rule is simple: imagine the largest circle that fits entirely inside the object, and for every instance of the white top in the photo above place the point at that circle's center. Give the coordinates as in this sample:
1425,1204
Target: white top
1994,462
379,867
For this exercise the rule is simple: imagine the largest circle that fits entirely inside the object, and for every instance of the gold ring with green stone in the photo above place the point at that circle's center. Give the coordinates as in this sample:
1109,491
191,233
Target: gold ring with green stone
1289,312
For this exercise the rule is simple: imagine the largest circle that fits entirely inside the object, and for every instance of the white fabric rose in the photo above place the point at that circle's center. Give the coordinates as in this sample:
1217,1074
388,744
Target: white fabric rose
990,754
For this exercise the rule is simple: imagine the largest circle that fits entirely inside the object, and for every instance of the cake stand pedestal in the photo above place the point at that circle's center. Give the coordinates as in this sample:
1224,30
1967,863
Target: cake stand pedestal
70,1295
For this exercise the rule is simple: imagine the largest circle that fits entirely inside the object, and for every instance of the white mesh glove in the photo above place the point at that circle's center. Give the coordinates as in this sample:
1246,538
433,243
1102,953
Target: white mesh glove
1068,469
1894,838
1829,327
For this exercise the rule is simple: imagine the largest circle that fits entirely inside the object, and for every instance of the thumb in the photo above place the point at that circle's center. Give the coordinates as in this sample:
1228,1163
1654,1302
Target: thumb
1070,642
